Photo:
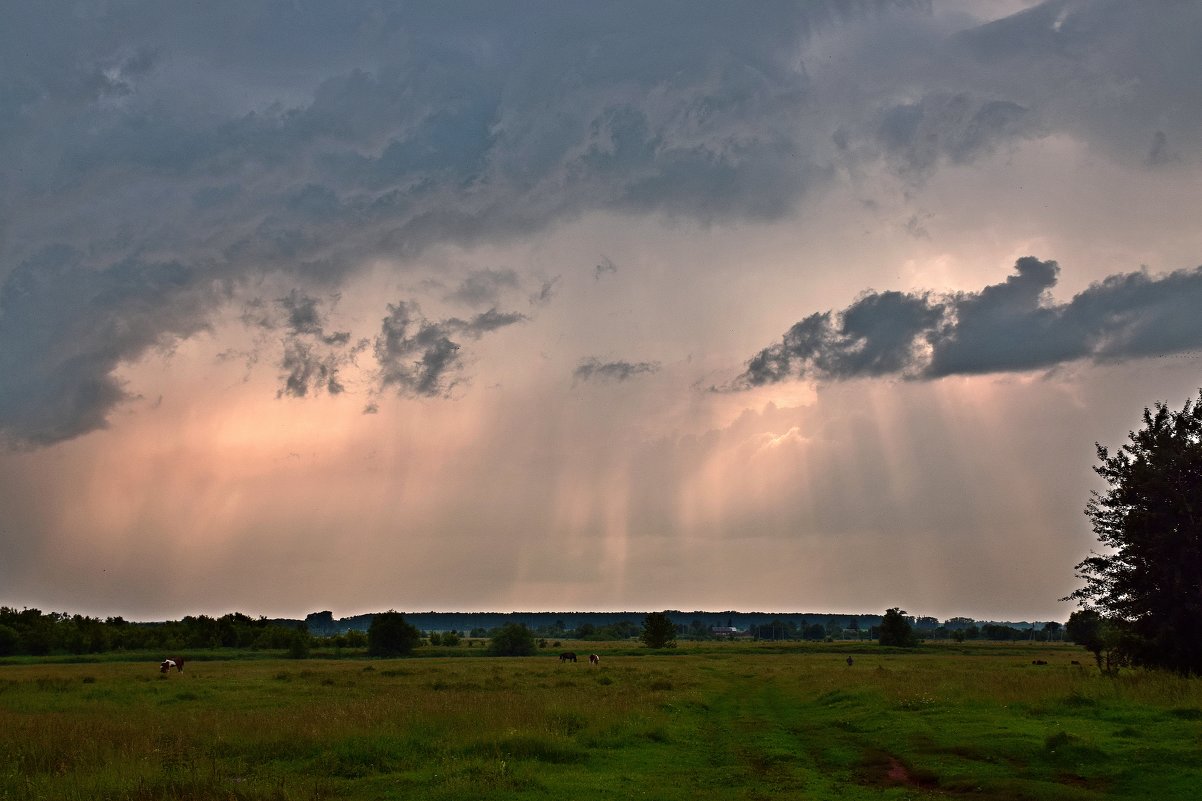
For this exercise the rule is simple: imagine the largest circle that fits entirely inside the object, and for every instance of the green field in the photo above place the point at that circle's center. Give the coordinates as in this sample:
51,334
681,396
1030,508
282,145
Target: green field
708,721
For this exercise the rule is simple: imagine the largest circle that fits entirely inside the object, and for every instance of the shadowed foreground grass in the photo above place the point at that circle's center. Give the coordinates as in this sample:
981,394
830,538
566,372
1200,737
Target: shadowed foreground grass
703,723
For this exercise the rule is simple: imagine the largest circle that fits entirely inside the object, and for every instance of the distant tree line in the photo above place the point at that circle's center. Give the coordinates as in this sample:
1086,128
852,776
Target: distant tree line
36,633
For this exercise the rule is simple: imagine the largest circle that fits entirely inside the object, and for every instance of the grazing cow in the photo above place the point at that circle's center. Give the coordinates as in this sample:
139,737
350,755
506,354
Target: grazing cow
567,656
1038,662
594,659
172,662
850,661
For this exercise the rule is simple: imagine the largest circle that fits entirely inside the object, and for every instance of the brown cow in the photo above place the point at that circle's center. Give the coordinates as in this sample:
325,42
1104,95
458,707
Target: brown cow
594,659
567,656
172,662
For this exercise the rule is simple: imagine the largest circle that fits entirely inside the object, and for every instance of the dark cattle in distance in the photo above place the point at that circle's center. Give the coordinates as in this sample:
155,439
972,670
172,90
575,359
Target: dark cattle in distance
567,656
1038,662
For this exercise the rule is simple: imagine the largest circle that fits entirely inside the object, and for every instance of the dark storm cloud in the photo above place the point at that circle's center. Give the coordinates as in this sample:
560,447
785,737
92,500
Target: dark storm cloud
65,325
245,140
1006,327
593,369
189,151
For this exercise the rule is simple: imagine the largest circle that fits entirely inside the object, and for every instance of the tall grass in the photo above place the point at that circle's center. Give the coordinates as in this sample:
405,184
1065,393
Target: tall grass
698,723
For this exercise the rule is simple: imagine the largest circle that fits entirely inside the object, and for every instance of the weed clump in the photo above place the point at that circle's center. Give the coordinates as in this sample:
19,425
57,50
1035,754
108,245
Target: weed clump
527,747
566,722
1077,700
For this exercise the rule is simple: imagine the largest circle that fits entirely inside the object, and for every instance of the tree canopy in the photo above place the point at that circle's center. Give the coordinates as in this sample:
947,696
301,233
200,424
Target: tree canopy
1147,585
512,640
658,631
896,630
391,635
1099,636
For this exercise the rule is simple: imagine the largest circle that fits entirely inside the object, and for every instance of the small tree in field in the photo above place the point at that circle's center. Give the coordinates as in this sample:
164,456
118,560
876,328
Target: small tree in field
1097,635
512,640
391,635
896,630
658,631
1147,586
298,645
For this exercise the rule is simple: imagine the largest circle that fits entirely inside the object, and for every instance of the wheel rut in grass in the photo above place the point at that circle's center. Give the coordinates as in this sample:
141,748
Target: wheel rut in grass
749,739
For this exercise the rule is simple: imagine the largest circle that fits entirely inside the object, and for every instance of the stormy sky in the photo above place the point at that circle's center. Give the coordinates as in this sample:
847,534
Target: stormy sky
816,306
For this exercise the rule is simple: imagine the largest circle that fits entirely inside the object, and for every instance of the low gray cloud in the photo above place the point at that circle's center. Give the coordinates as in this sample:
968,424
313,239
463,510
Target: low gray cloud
604,267
483,287
416,357
307,369
312,357
956,128
485,322
593,369
419,358
1007,327
1106,71
545,293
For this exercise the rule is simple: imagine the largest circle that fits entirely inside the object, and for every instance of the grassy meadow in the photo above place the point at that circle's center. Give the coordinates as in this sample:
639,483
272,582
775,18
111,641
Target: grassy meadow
705,721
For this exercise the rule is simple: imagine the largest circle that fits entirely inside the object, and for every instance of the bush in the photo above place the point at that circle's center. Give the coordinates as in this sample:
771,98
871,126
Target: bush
299,647
512,640
391,635
10,641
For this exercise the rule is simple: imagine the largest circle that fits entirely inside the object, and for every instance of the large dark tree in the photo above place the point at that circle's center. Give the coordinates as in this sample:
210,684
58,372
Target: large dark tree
391,635
1148,583
658,631
896,630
